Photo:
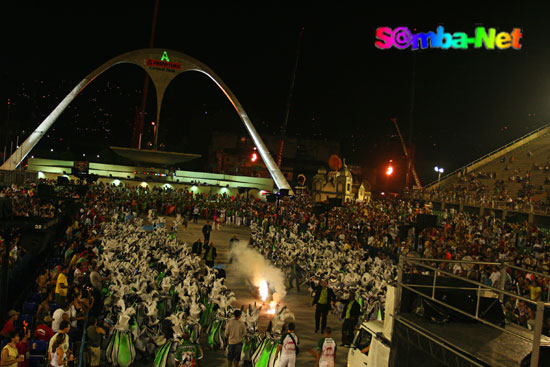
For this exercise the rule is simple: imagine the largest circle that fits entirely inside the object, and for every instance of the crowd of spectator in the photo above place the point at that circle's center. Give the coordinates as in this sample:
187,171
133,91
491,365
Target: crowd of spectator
470,189
55,309
16,252
26,204
70,288
500,190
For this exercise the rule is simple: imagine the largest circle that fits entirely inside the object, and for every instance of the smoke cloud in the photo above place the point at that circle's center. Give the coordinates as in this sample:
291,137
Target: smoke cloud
251,264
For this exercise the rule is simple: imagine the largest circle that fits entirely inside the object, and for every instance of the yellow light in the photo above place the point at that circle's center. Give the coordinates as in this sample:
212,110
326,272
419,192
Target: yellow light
389,171
264,290
272,308
143,184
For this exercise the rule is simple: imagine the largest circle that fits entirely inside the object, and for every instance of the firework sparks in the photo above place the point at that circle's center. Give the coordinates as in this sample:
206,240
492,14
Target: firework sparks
272,308
264,290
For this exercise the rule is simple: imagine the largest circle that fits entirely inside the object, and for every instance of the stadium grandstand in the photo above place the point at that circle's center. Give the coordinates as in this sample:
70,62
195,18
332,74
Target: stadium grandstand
514,177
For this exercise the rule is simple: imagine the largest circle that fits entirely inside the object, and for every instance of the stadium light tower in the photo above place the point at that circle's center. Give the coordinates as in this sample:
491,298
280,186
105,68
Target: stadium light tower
439,171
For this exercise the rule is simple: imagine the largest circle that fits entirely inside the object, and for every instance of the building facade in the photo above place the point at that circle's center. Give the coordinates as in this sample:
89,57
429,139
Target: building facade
339,184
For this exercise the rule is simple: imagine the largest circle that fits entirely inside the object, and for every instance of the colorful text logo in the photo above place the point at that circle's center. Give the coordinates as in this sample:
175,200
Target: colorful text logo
402,38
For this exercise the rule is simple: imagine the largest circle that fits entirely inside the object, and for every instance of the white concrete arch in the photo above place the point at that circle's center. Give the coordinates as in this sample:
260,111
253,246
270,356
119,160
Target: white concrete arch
162,66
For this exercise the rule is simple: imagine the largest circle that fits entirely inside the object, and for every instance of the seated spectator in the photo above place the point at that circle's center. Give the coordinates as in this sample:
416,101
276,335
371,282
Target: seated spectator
44,331
8,326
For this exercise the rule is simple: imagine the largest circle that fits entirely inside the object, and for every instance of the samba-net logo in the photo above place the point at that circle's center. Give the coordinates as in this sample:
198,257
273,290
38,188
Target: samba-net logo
402,38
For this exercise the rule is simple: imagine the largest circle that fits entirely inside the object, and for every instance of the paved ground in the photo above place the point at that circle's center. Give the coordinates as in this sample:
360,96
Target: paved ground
299,303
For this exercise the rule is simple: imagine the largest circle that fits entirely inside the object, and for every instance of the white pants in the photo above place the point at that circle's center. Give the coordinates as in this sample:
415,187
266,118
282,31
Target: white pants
326,363
288,360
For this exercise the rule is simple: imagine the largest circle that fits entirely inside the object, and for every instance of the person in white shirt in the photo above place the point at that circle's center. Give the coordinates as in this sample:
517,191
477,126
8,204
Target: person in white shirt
457,269
326,351
59,315
195,214
495,277
287,347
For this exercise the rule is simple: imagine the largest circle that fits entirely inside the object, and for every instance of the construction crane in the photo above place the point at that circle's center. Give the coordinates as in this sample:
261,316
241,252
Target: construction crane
140,114
410,163
289,99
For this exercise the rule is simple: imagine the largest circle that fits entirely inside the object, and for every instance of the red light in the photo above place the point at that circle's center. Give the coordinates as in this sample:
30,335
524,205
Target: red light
389,172
254,157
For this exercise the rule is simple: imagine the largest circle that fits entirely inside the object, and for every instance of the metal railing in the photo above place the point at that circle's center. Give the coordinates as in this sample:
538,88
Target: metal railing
487,155
83,341
541,209
481,289
453,349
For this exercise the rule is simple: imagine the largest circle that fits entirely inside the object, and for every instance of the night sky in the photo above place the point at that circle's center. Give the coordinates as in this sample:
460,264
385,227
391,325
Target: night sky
467,102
